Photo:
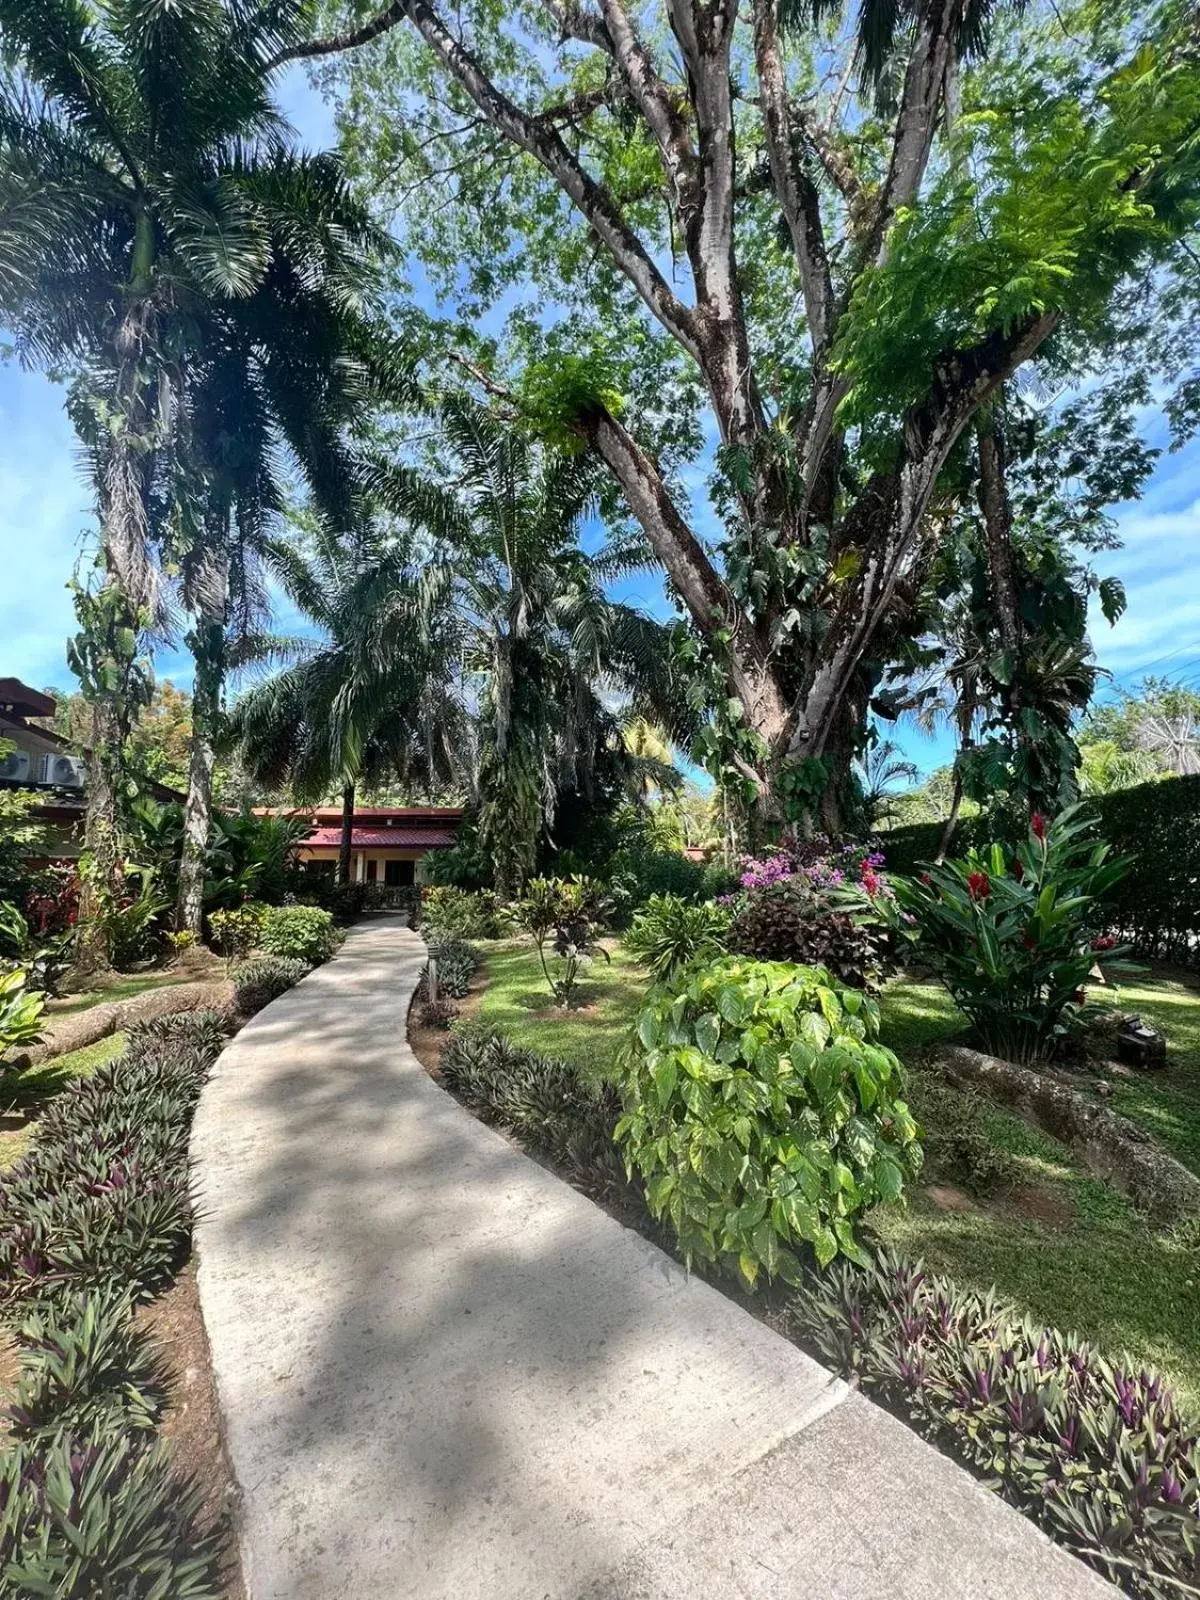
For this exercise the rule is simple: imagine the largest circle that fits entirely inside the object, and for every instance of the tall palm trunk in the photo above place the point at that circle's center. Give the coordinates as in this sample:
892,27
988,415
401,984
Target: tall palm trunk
101,846
347,843
208,650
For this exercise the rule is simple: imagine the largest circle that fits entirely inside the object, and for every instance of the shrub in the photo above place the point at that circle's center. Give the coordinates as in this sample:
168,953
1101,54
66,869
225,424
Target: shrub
469,914
439,1013
669,934
181,941
636,876
91,1368
1011,934
20,1013
103,1515
235,933
304,933
548,1103
256,983
457,963
562,914
102,1201
788,920
762,1115
1100,1456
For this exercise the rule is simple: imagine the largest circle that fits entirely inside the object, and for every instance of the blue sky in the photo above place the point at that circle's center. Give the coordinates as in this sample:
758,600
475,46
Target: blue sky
45,520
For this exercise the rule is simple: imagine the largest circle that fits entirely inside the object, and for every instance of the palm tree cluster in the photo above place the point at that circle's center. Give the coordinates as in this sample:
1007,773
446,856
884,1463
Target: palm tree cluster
207,288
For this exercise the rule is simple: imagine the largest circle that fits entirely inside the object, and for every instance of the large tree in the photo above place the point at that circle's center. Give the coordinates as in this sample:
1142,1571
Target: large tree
846,231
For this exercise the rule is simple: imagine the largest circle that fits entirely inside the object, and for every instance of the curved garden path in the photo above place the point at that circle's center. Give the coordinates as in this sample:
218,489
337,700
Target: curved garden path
444,1374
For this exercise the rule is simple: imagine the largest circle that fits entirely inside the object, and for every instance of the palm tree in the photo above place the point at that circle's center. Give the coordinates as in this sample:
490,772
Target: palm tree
881,767
145,186
377,695
559,665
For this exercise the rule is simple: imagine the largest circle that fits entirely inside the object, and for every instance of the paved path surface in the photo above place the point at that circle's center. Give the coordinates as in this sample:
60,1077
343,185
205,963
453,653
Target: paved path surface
447,1376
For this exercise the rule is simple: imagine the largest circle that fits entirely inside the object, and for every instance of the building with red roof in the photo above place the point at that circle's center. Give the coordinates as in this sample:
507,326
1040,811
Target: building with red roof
387,842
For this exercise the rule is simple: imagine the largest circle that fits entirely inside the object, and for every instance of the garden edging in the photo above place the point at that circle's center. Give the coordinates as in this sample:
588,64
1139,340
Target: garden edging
442,1370
1110,1146
62,1035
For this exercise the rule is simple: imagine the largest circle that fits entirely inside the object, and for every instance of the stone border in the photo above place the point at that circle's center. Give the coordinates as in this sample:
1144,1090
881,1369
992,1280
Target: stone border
1111,1147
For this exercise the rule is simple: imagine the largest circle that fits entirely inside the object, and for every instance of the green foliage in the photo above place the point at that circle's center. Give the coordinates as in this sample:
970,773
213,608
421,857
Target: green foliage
668,934
85,1369
457,962
131,922
256,983
103,1514
762,1115
21,837
794,921
102,1199
235,933
1011,935
1098,1454
637,873
304,933
548,1103
562,915
467,913
20,1012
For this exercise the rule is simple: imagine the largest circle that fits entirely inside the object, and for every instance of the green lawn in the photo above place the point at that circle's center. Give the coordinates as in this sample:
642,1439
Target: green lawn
518,1003
1062,1246
22,1101
123,988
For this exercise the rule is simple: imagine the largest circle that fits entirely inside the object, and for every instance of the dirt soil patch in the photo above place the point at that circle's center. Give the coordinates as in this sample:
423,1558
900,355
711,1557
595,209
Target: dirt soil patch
428,1043
1050,1206
947,1197
191,1428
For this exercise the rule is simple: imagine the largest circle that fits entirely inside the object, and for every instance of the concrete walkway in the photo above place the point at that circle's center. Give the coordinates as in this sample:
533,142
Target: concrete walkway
447,1376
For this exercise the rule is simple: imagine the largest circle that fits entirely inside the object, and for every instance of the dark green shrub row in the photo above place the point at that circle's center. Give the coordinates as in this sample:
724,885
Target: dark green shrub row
96,1216
302,933
101,1201
549,1104
1099,1455
1157,906
256,983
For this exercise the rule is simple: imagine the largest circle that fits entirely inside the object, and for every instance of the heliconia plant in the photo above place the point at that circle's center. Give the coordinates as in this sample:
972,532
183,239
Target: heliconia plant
1014,935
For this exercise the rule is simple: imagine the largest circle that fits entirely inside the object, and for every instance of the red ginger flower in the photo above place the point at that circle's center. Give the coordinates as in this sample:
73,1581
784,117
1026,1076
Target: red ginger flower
1018,870
979,885
1037,826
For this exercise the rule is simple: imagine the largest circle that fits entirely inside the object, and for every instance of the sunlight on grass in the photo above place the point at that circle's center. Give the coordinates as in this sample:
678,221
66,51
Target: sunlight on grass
24,1100
518,1002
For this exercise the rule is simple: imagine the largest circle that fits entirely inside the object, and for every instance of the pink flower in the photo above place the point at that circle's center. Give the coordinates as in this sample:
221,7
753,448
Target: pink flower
1037,826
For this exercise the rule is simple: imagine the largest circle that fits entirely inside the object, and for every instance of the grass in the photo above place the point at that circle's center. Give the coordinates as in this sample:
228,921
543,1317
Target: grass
123,988
1061,1245
518,1003
39,1084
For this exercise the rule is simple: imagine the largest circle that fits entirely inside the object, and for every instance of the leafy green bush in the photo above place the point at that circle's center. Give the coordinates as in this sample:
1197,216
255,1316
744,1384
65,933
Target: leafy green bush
637,875
101,1514
1013,936
235,932
1100,1456
91,1368
669,934
762,1114
20,1013
793,921
563,915
304,933
102,1199
256,983
468,914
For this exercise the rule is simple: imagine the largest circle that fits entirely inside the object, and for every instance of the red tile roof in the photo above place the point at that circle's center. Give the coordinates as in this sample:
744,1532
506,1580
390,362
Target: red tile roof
378,838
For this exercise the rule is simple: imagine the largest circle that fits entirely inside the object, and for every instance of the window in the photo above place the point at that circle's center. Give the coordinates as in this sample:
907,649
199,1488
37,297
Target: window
372,869
396,873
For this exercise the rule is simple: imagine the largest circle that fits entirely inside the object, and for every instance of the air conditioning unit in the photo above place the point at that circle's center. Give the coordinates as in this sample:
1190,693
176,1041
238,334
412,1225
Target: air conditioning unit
15,765
64,772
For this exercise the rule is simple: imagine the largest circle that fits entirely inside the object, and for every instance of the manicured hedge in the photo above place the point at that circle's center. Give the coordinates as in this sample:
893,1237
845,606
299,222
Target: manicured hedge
1157,825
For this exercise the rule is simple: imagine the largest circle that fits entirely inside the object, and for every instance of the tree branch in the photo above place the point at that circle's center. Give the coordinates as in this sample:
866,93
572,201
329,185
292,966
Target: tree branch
334,43
654,101
794,189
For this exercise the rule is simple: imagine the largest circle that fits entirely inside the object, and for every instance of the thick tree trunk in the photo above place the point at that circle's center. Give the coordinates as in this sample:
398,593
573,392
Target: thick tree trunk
347,843
99,867
997,523
208,648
